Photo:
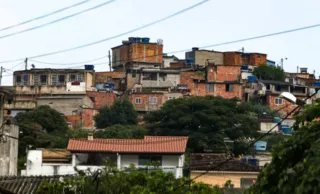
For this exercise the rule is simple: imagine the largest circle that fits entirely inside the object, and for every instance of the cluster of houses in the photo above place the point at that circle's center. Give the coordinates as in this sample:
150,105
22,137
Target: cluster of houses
148,78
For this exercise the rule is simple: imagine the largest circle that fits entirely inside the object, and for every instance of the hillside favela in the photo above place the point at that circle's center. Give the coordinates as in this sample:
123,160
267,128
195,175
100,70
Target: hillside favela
200,110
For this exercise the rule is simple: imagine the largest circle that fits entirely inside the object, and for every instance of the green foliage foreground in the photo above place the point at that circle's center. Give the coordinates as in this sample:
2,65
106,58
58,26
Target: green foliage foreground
295,164
130,181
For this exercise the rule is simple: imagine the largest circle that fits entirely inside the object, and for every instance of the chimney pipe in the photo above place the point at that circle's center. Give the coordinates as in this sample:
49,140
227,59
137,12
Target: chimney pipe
90,136
297,69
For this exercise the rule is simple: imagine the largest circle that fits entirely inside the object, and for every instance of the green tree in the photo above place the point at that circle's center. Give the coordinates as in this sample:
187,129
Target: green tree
42,127
267,72
44,118
206,120
295,162
129,181
121,112
122,131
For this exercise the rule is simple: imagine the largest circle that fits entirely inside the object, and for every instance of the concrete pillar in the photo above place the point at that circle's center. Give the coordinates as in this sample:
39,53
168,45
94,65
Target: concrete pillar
118,161
179,171
73,160
158,79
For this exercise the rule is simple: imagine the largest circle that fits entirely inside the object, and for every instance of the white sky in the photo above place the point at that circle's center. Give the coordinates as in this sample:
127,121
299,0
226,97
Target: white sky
213,22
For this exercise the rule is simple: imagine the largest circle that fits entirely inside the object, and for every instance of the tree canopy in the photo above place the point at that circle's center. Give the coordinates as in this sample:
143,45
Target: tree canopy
122,132
131,180
37,128
267,72
295,162
121,112
206,120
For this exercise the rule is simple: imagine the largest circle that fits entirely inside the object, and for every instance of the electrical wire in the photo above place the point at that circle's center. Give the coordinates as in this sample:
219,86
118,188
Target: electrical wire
46,15
249,147
185,50
124,33
58,20
49,63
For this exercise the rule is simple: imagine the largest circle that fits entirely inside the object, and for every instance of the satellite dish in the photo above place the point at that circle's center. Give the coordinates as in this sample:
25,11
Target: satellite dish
33,66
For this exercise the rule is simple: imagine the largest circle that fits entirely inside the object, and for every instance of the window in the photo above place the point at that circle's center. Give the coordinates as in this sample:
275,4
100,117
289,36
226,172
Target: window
138,100
147,160
58,79
134,73
153,100
278,101
40,80
209,87
76,77
229,87
22,80
268,126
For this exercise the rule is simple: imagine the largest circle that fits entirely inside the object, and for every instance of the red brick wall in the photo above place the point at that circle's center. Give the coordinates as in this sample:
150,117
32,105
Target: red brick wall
87,116
101,98
224,73
283,109
151,53
145,101
220,90
177,64
231,58
234,58
187,78
102,77
254,59
73,119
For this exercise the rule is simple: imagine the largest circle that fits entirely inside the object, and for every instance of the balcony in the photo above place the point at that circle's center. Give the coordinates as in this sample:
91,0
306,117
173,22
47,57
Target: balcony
160,84
21,105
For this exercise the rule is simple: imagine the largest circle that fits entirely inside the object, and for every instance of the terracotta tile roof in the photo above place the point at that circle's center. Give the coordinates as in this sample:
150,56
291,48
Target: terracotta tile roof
150,144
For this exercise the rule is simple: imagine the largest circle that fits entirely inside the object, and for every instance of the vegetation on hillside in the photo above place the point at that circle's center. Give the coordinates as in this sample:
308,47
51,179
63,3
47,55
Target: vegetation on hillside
267,72
132,180
121,112
295,164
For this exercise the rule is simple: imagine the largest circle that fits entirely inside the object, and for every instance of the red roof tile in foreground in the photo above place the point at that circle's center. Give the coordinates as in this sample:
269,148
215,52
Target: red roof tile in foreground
150,144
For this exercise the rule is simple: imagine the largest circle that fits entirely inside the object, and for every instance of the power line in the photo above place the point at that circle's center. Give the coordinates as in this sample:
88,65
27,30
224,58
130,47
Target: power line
58,20
250,145
214,45
46,15
124,33
74,63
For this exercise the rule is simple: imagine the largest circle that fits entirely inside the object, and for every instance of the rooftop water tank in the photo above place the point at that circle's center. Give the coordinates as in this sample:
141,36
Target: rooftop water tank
260,146
89,67
145,40
276,119
109,85
252,78
138,39
131,39
99,86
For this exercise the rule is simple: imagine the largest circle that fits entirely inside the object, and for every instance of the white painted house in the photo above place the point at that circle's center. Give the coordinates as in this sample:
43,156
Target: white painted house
89,154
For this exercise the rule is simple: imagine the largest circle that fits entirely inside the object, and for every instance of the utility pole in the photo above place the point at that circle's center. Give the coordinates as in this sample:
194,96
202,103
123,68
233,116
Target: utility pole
109,60
26,63
1,71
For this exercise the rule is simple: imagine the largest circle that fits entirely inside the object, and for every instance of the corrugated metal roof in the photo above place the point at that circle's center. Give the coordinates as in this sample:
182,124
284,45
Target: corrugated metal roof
24,185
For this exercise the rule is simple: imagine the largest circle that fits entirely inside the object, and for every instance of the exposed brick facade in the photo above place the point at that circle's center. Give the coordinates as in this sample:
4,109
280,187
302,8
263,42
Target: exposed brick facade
137,52
284,108
221,73
101,99
238,58
142,101
220,90
87,117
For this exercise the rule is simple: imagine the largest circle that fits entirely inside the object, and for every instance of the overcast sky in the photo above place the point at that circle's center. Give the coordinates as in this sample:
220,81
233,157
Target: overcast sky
214,22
